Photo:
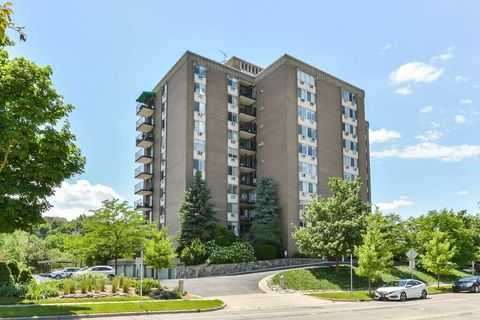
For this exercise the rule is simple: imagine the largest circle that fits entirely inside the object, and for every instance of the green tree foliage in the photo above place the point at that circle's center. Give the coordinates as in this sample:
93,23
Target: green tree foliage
6,23
196,213
25,276
333,225
194,253
159,251
453,225
223,236
6,278
14,269
266,225
114,231
374,254
265,251
438,255
37,150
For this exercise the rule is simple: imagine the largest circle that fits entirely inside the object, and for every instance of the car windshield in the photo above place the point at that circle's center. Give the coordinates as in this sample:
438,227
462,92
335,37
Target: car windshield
397,283
471,279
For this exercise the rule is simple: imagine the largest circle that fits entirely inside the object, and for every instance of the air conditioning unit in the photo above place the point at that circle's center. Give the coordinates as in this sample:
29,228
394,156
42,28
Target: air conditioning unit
355,169
303,100
200,114
233,178
233,141
302,82
303,156
199,153
312,103
354,135
200,77
311,86
304,175
313,158
312,139
346,133
200,133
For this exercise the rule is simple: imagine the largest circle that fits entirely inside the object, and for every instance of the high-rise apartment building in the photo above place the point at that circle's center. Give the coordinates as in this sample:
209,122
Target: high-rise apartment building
237,122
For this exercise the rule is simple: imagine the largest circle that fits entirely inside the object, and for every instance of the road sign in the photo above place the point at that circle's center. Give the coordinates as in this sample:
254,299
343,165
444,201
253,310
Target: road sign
412,254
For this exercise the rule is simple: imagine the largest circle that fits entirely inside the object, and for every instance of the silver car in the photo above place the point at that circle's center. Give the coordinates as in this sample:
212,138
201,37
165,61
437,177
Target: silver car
105,270
402,290
63,273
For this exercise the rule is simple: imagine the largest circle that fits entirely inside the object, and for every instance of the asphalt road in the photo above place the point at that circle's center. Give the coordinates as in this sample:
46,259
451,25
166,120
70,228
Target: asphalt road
444,306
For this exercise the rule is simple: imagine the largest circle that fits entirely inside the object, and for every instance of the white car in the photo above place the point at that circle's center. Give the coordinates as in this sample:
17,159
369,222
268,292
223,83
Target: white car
106,270
402,290
63,273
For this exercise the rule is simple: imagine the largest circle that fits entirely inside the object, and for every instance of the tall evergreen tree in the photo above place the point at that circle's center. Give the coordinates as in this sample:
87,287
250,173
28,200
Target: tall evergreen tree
266,227
196,213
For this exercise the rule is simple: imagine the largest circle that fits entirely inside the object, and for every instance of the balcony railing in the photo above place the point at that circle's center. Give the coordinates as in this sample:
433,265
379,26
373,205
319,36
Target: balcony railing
144,137
248,92
143,153
145,169
248,164
143,186
145,121
249,145
142,106
247,199
143,204
248,128
251,111
248,181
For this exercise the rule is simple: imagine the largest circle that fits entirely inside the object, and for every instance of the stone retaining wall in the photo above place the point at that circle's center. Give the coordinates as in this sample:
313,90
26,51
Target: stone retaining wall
224,269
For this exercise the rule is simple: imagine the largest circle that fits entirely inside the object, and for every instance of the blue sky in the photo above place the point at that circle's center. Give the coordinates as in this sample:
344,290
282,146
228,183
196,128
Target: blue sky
417,62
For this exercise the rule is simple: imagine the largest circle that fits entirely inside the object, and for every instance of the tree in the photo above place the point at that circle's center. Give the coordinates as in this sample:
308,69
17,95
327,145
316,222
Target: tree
266,227
115,231
374,255
37,150
223,236
159,251
438,255
196,213
333,225
194,253
6,13
14,269
6,278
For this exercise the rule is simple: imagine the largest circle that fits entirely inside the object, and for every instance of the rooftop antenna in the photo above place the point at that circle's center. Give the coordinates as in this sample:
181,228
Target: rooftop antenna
224,56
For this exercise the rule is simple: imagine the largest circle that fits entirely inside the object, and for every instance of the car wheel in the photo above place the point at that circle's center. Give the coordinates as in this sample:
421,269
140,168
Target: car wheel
476,289
111,276
403,296
58,276
424,294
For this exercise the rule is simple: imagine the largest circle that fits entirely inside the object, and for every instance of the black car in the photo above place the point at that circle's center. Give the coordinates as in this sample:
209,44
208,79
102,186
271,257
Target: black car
469,284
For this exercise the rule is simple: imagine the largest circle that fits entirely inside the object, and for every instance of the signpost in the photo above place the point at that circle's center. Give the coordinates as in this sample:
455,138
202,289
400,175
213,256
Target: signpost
139,262
411,255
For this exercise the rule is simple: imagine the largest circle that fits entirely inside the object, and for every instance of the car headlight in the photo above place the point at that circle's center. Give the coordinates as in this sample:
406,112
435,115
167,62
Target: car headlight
469,285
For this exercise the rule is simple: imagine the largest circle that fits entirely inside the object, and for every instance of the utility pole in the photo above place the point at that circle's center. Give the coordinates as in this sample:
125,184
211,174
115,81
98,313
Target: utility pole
351,273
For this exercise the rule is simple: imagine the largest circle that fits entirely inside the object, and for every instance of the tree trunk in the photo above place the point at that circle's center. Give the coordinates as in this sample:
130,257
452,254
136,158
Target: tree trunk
337,264
369,286
438,281
158,277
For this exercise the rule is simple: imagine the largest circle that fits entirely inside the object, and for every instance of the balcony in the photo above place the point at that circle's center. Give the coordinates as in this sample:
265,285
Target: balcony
248,95
247,165
145,124
144,188
146,96
248,130
144,140
144,156
247,147
247,113
247,183
247,200
145,110
143,205
144,172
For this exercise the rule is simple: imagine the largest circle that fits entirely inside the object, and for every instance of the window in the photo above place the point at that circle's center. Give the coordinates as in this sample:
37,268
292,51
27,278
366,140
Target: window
312,187
200,126
350,145
307,131
304,186
350,162
199,164
307,114
200,89
233,153
307,168
199,145
232,207
305,77
199,107
164,106
164,90
232,189
348,96
232,100
349,128
232,117
306,95
232,135
232,82
349,176
200,70
232,171
307,150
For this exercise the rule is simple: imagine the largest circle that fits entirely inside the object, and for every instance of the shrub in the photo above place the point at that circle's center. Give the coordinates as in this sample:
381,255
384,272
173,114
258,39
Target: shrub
13,290
25,276
127,283
14,269
163,293
121,278
237,252
147,286
6,277
83,286
195,253
223,236
100,285
43,290
114,285
68,286
265,251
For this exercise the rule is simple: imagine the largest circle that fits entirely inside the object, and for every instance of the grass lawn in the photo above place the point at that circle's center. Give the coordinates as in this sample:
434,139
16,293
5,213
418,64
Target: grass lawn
325,278
36,310
16,300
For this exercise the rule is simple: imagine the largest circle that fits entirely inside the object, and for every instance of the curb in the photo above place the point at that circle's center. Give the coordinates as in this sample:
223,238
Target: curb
118,314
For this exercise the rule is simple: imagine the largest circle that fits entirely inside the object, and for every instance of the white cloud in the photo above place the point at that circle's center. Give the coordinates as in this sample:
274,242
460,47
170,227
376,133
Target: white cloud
434,124
451,48
387,47
475,86
427,109
460,118
463,193
383,135
442,57
72,200
429,136
466,101
394,205
416,72
460,78
429,150
404,91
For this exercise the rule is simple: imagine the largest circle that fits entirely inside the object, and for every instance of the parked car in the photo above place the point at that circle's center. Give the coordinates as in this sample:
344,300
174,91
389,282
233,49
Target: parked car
106,270
469,284
62,273
402,290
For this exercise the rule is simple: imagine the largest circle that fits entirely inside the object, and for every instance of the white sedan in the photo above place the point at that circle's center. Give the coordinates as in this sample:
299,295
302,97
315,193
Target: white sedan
402,290
63,273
